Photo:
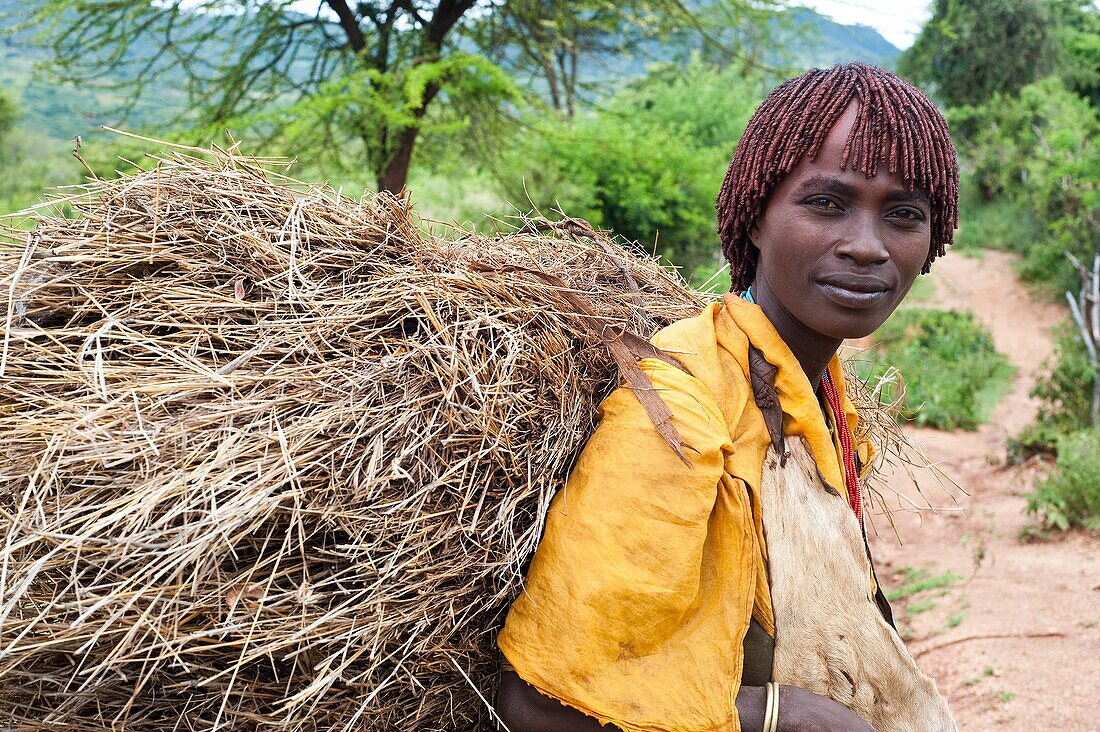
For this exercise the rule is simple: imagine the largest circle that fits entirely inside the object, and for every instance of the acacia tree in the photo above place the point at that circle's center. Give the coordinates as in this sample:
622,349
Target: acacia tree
546,40
369,71
374,73
566,48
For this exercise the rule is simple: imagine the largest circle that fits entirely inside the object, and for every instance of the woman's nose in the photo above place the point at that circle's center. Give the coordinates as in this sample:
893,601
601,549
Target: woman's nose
863,243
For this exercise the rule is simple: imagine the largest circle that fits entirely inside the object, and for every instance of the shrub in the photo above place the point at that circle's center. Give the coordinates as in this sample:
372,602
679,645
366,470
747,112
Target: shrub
647,165
1034,161
1070,495
1064,388
952,372
997,224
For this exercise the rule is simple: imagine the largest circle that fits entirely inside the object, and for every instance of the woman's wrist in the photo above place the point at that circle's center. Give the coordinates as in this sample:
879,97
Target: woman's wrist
750,704
804,711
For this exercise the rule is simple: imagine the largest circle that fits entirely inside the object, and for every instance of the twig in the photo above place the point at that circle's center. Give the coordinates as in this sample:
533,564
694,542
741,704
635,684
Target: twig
986,636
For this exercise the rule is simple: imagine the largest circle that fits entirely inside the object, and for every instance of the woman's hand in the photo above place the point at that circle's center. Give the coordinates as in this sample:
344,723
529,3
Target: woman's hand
804,711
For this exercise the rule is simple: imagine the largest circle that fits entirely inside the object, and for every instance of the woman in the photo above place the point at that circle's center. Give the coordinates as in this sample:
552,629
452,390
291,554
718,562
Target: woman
667,596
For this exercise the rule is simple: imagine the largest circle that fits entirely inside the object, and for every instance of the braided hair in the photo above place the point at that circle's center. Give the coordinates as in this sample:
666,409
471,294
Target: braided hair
896,124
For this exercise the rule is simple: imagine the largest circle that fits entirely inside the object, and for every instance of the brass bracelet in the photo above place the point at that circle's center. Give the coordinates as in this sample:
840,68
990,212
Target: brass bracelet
768,694
771,707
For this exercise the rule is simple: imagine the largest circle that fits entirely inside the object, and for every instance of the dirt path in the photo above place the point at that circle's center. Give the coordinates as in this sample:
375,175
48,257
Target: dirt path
1005,587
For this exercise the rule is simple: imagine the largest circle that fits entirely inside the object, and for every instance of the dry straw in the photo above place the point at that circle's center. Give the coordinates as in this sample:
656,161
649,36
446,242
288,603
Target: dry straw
274,459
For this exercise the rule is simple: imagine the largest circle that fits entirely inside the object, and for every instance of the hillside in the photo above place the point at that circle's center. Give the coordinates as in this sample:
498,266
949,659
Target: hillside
826,42
61,109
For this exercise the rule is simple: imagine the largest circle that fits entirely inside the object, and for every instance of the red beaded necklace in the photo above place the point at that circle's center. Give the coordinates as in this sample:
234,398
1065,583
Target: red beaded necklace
847,452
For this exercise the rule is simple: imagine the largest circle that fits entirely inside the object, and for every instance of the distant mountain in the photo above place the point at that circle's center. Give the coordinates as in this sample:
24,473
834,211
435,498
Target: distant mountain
831,43
802,39
62,110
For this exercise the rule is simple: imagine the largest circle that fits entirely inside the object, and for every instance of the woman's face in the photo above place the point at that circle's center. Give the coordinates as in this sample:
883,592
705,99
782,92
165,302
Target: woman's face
839,250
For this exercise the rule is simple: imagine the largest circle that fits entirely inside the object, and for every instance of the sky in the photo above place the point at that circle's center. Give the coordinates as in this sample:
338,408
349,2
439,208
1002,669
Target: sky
898,22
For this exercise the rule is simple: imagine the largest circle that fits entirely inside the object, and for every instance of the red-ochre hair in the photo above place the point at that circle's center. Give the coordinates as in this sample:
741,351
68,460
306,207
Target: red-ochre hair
897,124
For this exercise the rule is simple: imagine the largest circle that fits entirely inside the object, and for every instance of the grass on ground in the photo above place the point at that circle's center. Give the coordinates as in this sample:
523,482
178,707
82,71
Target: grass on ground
951,373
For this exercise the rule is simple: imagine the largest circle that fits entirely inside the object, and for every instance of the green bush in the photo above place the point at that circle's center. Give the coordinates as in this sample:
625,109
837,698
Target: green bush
1000,224
1033,180
33,164
1064,388
953,374
1070,495
969,50
647,165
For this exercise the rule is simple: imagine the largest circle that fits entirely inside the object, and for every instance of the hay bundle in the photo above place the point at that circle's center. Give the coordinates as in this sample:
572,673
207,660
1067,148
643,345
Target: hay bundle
273,459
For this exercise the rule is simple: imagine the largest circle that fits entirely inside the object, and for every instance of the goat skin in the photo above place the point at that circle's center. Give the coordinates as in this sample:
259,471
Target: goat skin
831,638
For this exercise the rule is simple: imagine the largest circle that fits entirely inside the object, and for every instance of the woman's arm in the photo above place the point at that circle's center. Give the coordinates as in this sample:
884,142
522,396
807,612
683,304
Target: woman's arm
523,709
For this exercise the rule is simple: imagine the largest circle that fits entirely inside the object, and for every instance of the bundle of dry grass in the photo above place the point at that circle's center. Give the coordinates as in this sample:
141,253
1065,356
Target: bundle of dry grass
272,459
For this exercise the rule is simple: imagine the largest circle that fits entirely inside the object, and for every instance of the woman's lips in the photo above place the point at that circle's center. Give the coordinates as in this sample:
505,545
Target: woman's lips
855,295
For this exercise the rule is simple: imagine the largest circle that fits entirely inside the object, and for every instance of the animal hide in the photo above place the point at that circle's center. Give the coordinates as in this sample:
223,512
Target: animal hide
831,638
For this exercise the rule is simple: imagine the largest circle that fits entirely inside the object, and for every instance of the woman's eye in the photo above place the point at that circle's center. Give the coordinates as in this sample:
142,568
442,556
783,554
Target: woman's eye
908,214
823,202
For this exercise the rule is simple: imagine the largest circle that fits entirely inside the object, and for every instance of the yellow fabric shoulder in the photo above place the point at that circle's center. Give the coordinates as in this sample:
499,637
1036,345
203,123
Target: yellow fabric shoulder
638,599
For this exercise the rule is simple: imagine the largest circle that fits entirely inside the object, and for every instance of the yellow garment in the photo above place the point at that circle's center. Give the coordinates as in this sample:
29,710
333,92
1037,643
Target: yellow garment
638,599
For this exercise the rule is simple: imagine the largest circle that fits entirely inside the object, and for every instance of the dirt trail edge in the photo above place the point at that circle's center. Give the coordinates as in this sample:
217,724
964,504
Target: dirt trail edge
1014,638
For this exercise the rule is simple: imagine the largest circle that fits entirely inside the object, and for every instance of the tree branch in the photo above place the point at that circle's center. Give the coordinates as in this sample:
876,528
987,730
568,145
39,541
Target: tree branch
446,15
409,8
356,40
